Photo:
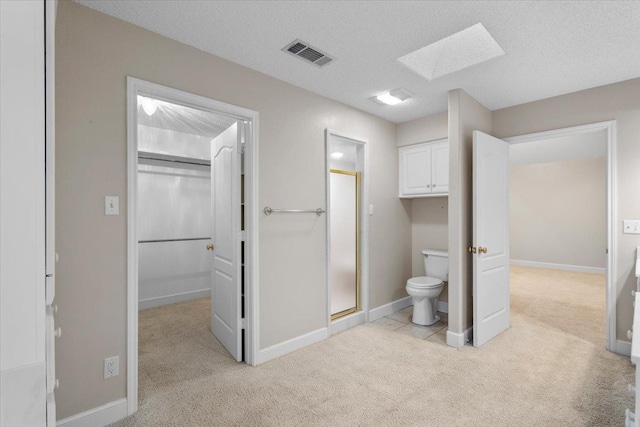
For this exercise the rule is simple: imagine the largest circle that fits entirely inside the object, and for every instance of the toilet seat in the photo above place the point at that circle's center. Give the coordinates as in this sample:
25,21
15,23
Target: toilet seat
424,282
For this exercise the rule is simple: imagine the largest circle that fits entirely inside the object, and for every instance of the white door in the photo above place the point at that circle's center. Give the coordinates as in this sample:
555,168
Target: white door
225,274
23,322
490,237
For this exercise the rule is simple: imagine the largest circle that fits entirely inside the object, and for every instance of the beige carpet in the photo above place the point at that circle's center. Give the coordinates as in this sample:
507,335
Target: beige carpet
549,369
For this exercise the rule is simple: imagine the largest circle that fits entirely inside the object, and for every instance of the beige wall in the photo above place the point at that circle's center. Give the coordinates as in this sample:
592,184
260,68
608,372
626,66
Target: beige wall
425,129
465,115
429,215
94,54
558,212
620,102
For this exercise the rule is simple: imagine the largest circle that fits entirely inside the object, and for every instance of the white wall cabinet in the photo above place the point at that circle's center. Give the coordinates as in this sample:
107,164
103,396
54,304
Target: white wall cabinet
424,169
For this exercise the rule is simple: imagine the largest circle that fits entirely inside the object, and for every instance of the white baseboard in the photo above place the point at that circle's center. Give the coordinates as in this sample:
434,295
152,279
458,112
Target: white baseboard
390,308
458,340
98,417
171,299
577,268
347,322
293,344
623,347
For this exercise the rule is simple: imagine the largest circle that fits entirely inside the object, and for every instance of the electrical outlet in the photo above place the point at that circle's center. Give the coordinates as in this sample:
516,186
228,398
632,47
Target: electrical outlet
111,367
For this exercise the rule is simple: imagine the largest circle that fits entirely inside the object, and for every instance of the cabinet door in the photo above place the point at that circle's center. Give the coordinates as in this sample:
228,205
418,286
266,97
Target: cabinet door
415,170
440,167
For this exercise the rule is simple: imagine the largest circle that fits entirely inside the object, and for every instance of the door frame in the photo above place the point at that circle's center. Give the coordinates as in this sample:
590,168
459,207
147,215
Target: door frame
362,162
137,87
610,130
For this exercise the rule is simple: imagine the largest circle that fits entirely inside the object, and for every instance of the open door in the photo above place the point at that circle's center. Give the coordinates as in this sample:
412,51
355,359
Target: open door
490,249
226,311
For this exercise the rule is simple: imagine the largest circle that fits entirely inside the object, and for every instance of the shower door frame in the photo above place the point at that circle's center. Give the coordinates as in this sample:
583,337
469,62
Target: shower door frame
251,328
358,306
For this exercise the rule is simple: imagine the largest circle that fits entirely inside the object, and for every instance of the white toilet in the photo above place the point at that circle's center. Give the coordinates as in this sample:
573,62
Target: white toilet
425,290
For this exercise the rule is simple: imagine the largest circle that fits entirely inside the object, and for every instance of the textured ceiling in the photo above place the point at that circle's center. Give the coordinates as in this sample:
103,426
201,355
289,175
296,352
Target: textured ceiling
551,48
184,119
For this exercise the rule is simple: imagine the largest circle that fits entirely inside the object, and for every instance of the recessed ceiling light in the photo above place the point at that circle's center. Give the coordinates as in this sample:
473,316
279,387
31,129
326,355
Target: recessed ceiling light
388,99
337,154
149,106
392,98
461,50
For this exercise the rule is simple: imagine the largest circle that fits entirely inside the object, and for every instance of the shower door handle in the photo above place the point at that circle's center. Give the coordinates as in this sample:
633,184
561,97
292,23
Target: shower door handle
210,247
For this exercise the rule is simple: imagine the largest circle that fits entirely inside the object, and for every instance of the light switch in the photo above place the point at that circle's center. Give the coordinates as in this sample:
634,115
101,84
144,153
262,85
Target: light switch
631,226
111,205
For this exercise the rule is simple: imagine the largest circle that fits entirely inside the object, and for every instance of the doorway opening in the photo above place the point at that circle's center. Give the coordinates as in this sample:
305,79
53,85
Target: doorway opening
568,243
347,231
192,234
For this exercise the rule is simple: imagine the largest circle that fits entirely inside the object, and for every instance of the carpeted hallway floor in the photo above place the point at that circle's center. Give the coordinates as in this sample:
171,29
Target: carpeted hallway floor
549,369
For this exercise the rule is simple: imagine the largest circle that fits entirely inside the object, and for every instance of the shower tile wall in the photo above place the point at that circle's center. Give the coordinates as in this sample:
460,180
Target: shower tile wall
173,203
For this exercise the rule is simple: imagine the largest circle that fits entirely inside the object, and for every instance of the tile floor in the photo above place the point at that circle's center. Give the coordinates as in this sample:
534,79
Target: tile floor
400,321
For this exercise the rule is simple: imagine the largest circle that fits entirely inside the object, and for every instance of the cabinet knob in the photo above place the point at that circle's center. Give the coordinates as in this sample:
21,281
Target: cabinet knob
210,247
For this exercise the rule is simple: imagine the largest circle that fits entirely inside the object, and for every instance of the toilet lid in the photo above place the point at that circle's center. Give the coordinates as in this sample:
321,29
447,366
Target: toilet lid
424,282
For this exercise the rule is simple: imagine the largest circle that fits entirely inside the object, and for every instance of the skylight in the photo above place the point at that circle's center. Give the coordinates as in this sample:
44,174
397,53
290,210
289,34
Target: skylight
471,46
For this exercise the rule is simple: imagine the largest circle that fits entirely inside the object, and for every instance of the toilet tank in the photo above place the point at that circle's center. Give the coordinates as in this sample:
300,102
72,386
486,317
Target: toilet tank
436,264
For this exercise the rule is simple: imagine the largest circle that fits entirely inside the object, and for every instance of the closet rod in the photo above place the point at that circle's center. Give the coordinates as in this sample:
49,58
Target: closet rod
144,155
174,240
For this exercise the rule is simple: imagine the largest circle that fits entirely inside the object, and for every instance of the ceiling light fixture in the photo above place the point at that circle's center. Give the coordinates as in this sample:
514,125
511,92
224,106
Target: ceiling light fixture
393,97
388,99
337,154
149,106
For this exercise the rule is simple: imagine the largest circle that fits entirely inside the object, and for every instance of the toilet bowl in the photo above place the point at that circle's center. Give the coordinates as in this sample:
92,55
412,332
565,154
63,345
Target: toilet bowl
425,290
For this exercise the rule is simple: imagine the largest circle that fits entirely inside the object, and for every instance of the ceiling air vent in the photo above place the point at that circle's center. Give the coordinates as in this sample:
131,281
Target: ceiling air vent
302,50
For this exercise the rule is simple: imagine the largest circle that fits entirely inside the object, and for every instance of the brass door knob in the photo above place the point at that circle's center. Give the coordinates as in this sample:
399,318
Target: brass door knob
210,247
482,250
472,249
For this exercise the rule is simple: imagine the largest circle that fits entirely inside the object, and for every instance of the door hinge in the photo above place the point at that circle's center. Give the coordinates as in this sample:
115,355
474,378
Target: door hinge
49,289
242,235
243,323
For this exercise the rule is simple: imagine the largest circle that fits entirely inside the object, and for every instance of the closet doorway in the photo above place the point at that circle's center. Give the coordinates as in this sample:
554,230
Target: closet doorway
192,229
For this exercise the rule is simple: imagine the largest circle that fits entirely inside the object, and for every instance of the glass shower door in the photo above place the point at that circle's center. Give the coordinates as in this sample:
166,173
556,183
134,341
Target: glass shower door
344,273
